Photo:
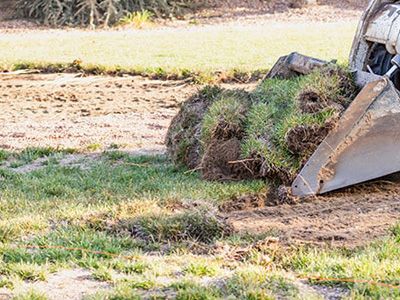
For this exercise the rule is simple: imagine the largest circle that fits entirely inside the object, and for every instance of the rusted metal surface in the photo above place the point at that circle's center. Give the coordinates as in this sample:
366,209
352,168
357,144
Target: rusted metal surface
365,144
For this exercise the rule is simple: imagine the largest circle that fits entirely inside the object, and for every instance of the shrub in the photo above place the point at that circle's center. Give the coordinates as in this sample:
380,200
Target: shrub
98,12
138,19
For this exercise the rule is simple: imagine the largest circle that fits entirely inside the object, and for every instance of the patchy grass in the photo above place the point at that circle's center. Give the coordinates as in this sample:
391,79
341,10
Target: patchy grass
167,220
278,110
55,190
207,53
268,133
4,155
225,117
31,295
378,262
31,154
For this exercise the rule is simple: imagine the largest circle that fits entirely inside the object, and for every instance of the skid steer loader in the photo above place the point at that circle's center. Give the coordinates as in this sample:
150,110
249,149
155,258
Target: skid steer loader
365,144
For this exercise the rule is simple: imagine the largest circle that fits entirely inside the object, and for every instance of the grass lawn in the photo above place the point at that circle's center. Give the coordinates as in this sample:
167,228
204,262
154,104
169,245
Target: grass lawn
177,51
145,207
168,221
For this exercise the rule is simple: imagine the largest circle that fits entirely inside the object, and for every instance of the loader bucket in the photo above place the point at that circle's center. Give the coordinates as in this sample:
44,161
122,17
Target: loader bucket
364,145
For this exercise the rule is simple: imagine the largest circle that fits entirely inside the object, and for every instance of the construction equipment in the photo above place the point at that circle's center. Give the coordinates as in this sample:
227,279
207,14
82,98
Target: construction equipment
366,142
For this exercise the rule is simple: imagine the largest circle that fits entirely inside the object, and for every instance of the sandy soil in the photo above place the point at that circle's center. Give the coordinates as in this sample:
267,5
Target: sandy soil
71,284
351,217
70,111
263,13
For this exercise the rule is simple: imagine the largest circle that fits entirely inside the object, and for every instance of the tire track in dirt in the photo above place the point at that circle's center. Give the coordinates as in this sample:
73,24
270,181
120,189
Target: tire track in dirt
351,217
70,111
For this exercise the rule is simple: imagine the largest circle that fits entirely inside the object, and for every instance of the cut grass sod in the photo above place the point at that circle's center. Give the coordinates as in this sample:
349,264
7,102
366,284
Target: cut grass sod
167,220
199,52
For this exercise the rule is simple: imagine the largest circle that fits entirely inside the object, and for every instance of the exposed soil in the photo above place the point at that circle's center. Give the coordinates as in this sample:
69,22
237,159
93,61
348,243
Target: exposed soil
70,111
305,139
310,101
69,284
262,13
39,98
351,217
221,161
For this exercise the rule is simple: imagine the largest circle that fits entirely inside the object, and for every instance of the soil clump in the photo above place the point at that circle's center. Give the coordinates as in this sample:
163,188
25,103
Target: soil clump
305,139
222,161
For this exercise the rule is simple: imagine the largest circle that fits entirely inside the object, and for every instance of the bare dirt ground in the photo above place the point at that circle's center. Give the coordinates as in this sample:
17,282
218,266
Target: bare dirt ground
70,284
70,111
351,217
263,13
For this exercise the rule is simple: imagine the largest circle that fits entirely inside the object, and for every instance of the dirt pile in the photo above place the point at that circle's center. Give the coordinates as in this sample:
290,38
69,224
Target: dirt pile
269,133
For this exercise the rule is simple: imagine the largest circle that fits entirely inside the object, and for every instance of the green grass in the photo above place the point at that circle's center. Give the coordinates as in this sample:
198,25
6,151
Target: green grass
277,111
378,262
183,52
232,109
269,122
68,192
168,221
